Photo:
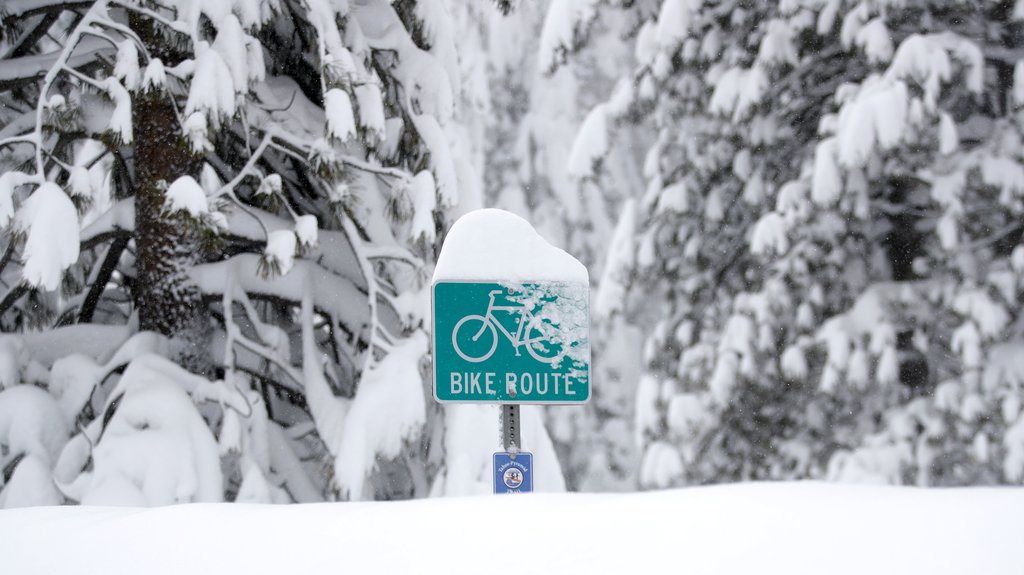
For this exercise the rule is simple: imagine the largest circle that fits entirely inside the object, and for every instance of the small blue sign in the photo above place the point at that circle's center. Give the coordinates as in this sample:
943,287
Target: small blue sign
513,473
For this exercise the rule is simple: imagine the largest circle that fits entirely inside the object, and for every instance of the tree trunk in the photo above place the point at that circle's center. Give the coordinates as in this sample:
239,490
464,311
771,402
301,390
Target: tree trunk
166,245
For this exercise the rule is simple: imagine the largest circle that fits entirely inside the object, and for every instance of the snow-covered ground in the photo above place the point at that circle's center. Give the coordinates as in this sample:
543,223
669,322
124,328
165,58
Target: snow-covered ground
744,529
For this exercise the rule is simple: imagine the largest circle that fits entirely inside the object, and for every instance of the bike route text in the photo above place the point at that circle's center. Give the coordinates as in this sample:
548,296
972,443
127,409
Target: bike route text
529,384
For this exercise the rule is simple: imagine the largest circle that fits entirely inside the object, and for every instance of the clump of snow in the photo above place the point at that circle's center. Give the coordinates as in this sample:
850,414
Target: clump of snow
393,386
661,465
674,22
341,122
876,117
770,235
876,41
618,264
306,230
590,145
737,91
126,68
491,244
195,131
565,26
371,109
185,194
777,45
280,250
50,222
155,75
424,201
9,182
154,447
212,90
121,117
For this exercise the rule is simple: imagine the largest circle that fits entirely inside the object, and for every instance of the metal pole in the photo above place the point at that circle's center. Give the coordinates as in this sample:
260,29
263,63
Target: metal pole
510,436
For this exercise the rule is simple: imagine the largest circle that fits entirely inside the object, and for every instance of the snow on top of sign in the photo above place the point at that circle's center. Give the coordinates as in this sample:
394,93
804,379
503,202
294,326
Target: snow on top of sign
493,244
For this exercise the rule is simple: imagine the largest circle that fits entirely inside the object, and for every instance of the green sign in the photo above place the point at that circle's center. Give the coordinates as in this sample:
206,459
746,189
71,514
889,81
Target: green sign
511,342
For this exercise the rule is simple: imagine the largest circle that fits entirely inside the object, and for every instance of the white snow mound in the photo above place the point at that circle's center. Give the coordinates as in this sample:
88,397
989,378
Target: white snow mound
790,528
492,244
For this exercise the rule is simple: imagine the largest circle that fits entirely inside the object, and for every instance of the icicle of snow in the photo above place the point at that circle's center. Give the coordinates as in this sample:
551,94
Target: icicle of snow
126,68
826,184
424,199
340,119
121,117
186,194
306,230
876,41
770,235
51,223
280,250
590,145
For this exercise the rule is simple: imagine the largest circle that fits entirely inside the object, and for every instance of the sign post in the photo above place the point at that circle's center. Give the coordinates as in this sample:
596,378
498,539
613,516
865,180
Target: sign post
511,326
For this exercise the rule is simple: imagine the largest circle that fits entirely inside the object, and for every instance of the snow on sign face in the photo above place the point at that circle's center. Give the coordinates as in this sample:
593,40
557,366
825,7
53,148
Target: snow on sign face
511,316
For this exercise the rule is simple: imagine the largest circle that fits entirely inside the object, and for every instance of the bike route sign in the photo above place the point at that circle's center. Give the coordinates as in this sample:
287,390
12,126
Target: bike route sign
504,342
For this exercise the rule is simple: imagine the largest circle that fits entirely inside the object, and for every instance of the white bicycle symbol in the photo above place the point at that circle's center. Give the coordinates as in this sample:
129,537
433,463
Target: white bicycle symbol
536,343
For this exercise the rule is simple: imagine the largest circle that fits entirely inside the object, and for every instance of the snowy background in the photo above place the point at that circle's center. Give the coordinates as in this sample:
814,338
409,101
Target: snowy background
801,221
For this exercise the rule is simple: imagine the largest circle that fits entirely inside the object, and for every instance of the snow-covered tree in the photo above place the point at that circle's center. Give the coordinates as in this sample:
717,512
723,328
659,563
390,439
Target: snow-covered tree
826,256
221,218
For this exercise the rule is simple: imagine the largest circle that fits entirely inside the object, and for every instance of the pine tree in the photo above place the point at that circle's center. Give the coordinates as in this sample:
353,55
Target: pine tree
824,256
248,190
